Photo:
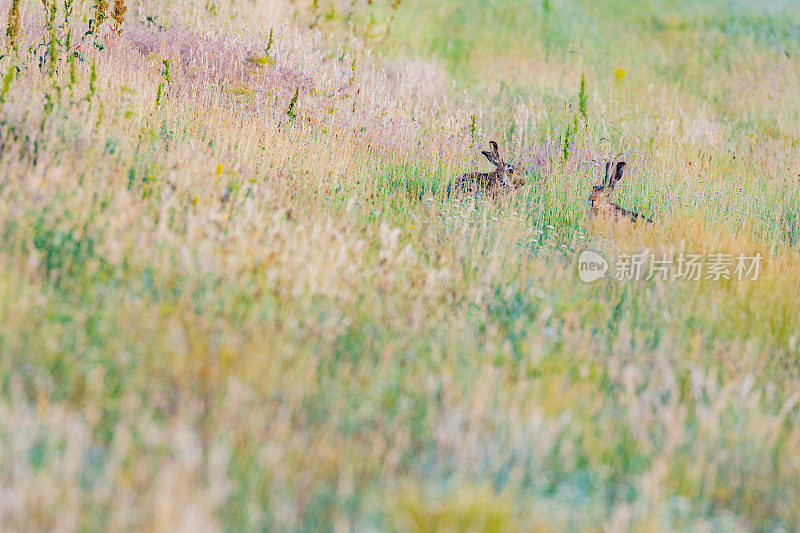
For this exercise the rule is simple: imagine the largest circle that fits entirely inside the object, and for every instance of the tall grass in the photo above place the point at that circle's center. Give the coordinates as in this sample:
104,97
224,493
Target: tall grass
250,306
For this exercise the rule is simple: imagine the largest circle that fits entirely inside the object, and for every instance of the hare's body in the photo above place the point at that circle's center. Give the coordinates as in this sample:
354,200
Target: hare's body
504,179
478,182
600,204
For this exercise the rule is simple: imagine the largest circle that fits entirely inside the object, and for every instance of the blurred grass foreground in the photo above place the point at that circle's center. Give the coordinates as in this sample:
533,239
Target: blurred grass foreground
234,295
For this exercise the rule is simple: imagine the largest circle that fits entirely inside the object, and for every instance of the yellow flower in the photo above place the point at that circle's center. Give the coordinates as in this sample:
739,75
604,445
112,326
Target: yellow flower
619,73
411,226
219,169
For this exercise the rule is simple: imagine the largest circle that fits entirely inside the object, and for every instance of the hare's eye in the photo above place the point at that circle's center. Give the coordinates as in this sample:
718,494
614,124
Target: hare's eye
510,170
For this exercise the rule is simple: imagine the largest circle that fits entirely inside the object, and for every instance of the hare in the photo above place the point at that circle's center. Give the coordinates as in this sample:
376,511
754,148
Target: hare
504,179
600,203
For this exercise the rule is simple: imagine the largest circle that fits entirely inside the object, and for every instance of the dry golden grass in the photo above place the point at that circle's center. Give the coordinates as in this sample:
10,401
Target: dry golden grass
225,310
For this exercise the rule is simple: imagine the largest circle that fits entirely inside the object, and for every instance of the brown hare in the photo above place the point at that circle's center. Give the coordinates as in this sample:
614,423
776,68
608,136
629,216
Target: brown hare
504,179
600,203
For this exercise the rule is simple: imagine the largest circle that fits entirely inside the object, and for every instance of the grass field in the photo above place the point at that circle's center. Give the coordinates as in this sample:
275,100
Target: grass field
234,296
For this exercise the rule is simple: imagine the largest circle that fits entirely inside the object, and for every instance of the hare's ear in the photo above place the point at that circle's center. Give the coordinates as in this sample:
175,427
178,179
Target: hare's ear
496,154
606,182
490,157
618,171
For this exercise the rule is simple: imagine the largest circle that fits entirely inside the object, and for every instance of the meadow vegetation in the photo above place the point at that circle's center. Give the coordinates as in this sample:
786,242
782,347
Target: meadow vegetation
233,295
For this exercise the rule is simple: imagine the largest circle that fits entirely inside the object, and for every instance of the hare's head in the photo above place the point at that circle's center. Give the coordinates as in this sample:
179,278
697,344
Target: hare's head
603,192
509,175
